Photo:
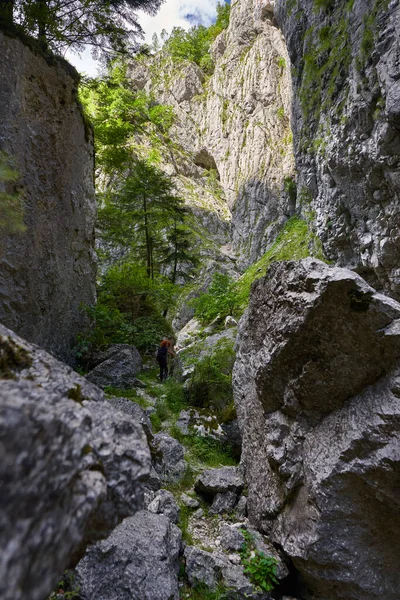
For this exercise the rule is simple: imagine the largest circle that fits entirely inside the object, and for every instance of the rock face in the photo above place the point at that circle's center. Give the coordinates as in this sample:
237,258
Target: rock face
346,119
71,468
316,387
233,128
48,271
139,561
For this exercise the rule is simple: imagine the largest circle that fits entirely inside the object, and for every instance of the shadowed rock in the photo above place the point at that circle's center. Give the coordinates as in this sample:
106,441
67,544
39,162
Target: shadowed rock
316,387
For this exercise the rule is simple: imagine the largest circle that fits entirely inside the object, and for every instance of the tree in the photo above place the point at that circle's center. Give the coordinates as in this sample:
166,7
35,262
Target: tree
140,214
180,241
106,25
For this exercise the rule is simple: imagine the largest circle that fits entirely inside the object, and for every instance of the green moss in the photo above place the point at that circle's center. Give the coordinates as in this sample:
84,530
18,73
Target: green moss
13,358
75,394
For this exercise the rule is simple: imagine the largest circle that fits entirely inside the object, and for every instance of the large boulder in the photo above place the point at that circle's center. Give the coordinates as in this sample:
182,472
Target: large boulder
139,561
71,467
116,367
317,391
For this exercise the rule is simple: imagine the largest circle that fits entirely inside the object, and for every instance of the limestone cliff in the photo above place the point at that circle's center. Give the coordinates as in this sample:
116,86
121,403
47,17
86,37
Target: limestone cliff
49,270
346,119
233,126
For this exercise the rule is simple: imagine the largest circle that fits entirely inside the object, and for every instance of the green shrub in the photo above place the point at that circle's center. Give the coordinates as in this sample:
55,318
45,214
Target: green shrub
260,568
220,300
210,385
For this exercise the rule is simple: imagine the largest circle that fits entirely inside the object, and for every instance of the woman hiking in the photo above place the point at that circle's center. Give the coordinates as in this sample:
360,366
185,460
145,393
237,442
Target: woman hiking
162,356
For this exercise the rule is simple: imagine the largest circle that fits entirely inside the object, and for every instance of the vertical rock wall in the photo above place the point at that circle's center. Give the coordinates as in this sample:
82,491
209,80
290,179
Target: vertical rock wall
236,122
49,270
346,119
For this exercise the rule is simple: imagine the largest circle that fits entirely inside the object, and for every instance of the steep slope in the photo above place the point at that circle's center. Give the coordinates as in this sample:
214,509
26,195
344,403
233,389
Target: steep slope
48,271
233,127
346,121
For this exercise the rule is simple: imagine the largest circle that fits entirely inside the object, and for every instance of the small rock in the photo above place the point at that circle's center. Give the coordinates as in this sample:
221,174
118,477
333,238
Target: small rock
230,322
189,502
231,538
199,513
219,481
235,559
241,507
223,503
171,464
164,503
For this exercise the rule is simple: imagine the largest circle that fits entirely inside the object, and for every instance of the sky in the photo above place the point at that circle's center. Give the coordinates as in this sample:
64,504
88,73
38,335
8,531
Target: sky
181,13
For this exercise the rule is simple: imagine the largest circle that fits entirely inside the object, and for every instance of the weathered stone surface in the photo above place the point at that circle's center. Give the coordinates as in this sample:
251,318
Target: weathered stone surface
317,398
231,538
223,503
219,481
117,367
69,464
170,464
235,125
346,129
189,501
212,568
165,504
47,272
127,406
139,561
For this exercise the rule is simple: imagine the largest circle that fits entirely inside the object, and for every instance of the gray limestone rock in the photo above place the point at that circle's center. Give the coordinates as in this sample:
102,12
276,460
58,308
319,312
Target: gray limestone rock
170,464
316,392
346,135
223,503
139,561
48,271
71,467
127,406
189,501
241,507
231,538
212,568
219,481
118,367
164,503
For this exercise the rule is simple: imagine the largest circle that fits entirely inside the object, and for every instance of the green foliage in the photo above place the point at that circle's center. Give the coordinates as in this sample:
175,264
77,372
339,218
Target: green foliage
202,592
107,26
259,568
219,301
290,188
66,587
209,452
211,382
194,44
117,113
11,207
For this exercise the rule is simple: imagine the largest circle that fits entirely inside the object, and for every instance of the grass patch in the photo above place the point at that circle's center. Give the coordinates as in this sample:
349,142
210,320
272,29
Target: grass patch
206,451
202,592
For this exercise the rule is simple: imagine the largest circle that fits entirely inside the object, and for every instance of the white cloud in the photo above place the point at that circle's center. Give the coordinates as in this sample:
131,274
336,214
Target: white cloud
173,13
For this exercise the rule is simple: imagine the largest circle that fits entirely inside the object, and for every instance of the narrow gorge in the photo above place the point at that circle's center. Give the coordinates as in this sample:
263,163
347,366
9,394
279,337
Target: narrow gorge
233,190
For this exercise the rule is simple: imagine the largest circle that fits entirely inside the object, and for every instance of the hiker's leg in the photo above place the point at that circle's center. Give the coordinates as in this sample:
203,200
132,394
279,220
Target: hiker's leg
161,370
166,371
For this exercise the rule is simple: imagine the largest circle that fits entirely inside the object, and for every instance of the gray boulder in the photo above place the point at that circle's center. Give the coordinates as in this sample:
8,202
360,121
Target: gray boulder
127,406
164,503
219,481
170,458
139,561
117,367
317,392
69,462
223,503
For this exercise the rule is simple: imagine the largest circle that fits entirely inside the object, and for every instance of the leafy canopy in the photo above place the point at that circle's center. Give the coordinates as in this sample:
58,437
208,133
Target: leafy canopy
106,25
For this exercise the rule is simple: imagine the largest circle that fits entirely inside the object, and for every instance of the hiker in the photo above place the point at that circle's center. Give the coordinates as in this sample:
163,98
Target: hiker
162,356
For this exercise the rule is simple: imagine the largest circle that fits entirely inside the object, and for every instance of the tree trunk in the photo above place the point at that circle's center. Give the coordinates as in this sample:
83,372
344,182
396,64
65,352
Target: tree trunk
148,241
